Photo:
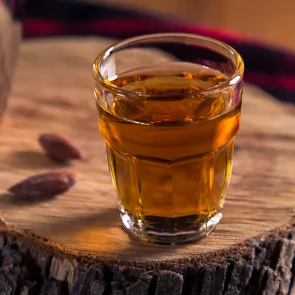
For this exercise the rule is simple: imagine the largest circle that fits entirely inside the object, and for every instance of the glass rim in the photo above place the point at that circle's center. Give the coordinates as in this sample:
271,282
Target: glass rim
107,52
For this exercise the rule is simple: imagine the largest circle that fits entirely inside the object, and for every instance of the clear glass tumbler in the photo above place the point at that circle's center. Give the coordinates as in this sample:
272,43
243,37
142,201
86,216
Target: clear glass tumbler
169,109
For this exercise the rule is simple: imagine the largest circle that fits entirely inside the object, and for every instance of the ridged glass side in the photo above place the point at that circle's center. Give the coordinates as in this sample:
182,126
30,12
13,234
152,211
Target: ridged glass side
171,199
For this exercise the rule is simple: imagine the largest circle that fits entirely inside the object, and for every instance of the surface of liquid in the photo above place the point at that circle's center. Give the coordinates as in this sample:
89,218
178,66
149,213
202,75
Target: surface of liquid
170,154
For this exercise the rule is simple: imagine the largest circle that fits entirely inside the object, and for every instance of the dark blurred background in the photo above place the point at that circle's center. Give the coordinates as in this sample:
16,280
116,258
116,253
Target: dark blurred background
257,29
266,20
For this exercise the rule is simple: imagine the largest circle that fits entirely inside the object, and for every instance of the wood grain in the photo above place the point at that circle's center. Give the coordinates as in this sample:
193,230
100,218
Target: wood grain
53,93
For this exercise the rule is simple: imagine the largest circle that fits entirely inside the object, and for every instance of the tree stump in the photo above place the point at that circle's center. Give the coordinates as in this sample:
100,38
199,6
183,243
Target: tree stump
74,244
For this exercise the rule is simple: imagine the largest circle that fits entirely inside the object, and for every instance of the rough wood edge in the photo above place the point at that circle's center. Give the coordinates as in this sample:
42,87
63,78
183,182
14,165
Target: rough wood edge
265,265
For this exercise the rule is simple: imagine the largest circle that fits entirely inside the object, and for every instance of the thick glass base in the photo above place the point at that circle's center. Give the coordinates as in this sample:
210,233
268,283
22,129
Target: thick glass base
169,231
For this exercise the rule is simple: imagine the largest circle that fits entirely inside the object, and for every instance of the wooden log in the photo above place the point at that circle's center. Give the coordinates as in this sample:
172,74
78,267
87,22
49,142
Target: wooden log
74,244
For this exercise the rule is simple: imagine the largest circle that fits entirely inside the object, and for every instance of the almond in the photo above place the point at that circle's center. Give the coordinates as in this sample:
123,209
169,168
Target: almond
44,185
60,148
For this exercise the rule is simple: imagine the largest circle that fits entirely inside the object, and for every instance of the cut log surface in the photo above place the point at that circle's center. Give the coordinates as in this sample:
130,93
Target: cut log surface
75,244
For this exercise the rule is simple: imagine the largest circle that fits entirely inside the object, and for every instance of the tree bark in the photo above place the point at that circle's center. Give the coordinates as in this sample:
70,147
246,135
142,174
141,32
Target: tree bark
265,265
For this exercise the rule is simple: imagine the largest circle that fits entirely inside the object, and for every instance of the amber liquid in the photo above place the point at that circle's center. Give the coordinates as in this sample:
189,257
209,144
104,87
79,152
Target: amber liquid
170,155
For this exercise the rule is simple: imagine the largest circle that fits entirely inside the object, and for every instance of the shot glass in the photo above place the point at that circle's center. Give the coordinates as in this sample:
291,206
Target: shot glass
168,109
